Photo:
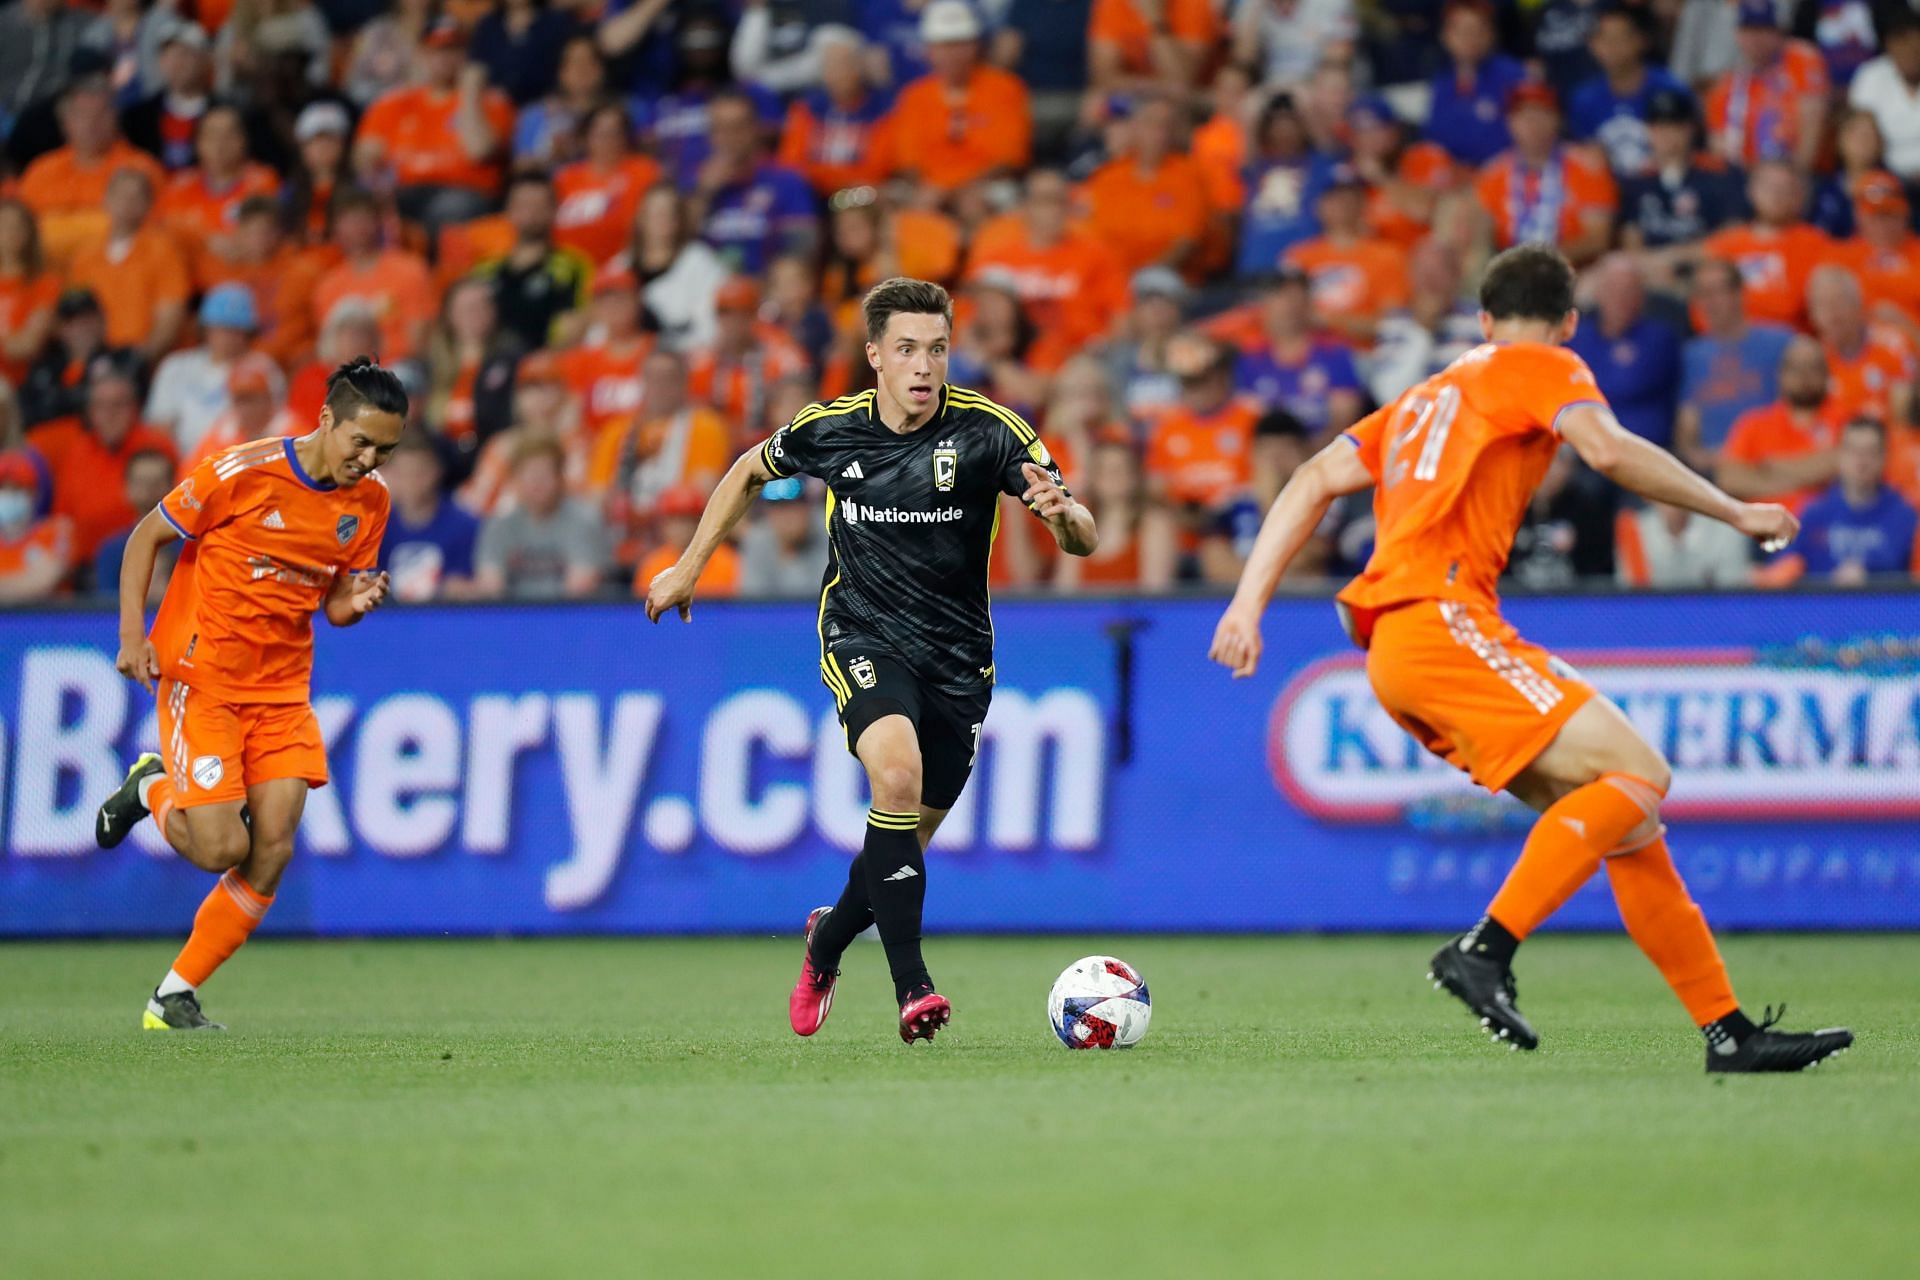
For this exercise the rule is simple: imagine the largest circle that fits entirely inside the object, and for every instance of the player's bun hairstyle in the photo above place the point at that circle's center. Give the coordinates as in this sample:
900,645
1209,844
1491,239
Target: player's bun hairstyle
1527,282
901,296
361,384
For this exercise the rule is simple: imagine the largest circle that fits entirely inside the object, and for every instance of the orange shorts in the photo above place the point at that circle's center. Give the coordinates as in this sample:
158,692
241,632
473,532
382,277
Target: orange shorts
215,750
1459,678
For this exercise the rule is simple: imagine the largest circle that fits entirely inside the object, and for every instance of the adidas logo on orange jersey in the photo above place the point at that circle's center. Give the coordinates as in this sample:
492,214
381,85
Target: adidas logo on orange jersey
272,519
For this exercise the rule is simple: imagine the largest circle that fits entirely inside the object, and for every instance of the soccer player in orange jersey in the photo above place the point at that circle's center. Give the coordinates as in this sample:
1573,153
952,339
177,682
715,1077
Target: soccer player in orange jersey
276,530
1454,462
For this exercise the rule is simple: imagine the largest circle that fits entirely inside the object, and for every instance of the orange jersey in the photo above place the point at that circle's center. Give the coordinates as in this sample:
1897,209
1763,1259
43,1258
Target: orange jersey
89,479
738,388
265,545
194,212
1457,459
1864,383
595,214
1773,432
1219,147
131,278
48,541
1774,265
1356,281
1550,204
834,154
607,382
1120,25
415,126
689,448
1072,289
69,195
1756,115
1424,164
721,577
949,139
1140,216
1203,459
395,287
22,298
1890,276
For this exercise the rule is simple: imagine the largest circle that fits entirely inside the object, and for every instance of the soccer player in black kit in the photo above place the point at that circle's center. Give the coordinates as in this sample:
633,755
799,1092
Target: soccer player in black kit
914,471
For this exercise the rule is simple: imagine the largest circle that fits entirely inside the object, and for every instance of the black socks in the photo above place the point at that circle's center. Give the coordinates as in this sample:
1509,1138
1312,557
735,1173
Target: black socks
1490,939
897,888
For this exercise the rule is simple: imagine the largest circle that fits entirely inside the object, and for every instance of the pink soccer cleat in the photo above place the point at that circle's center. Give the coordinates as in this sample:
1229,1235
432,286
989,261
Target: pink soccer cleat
812,996
923,1015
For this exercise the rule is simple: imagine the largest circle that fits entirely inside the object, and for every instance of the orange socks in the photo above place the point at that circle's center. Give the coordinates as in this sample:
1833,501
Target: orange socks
1566,846
1662,919
225,920
159,801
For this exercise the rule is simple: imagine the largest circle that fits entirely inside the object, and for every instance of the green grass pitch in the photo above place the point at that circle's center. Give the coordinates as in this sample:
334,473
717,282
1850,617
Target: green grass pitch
1303,1107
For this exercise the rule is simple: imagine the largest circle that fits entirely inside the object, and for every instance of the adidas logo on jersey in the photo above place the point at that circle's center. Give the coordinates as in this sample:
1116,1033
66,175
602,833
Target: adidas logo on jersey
272,519
853,472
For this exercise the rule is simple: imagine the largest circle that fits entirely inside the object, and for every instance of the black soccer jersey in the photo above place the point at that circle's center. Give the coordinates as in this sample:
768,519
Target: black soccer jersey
910,524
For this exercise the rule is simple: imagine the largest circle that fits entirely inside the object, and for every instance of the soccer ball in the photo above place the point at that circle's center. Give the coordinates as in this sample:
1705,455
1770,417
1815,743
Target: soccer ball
1099,1003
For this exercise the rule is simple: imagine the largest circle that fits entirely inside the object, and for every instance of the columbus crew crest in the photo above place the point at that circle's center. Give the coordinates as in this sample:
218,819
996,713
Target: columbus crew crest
861,669
946,466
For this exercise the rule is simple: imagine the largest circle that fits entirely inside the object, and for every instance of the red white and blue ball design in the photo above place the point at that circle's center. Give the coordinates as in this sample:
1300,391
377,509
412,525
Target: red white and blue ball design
1100,1003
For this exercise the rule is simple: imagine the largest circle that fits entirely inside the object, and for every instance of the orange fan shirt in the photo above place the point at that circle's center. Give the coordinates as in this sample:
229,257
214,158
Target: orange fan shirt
1356,281
265,544
194,212
416,127
721,577
1120,24
1456,460
705,451
1424,164
1140,216
45,540
607,382
837,153
1756,115
70,195
1774,265
951,139
131,278
1203,458
1889,276
597,206
738,388
89,479
1864,383
1072,289
395,286
21,299
1772,432
1551,203
1219,147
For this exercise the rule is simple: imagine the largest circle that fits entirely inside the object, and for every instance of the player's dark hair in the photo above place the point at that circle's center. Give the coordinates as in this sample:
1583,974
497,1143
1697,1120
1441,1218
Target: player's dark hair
904,296
144,455
362,384
1527,282
1864,423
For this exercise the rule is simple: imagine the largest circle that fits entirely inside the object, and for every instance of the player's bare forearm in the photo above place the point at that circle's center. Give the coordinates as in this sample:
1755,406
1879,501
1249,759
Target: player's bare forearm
1070,523
673,588
1332,473
136,573
353,596
1075,531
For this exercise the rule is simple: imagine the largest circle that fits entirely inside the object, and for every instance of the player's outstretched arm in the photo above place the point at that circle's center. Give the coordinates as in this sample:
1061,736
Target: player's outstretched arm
672,589
136,660
1653,473
1070,522
1333,472
355,595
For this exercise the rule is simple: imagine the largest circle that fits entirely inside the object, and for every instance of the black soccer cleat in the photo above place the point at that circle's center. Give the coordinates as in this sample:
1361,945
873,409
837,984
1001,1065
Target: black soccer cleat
1770,1050
1486,987
122,811
177,1011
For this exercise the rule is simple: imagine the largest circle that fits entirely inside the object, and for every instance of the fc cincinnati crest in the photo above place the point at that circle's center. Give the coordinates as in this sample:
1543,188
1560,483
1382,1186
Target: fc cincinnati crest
946,465
346,528
861,669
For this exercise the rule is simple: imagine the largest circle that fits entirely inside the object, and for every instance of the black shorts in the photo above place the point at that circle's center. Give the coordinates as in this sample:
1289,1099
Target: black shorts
869,682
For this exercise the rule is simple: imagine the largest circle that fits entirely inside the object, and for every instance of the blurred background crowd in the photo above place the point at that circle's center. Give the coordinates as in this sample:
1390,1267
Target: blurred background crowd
612,243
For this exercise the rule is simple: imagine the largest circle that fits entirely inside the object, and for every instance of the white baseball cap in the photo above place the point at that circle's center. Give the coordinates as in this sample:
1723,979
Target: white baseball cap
321,117
944,21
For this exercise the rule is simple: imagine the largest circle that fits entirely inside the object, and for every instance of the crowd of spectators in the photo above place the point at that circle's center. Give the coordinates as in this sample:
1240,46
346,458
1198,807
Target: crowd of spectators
611,243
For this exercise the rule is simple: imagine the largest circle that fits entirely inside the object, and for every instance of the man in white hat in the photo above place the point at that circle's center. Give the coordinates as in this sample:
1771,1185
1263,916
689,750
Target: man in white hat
963,121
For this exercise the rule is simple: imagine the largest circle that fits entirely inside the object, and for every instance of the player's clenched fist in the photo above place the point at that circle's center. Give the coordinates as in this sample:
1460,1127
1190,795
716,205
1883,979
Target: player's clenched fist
1236,643
670,589
1769,524
367,592
137,662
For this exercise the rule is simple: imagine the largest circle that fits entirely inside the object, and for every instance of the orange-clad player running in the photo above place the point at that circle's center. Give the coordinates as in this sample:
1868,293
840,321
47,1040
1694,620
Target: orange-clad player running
1454,463
276,530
